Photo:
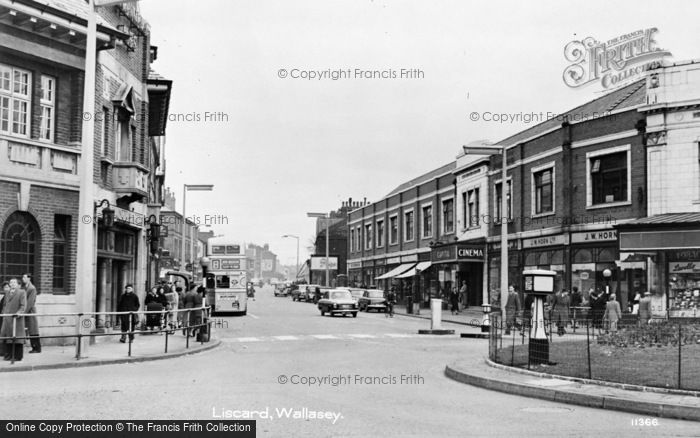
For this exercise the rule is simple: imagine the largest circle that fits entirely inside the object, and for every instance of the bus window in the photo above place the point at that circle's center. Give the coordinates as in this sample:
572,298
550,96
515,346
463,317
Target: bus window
223,282
233,249
218,249
211,281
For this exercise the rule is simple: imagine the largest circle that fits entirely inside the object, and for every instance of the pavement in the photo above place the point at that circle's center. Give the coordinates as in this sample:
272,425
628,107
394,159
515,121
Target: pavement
471,316
108,350
657,402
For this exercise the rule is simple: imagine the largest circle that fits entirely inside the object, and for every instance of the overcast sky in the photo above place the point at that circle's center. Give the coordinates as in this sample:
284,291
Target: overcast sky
284,146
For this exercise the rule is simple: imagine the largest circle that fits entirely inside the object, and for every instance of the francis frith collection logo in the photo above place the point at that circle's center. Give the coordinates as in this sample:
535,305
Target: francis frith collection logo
613,63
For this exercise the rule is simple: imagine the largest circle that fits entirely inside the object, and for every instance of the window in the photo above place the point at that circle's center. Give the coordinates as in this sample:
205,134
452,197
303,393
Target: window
609,178
499,201
380,234
61,227
393,230
15,92
473,207
123,136
428,221
358,234
368,236
543,186
352,239
104,137
408,226
448,216
19,246
48,107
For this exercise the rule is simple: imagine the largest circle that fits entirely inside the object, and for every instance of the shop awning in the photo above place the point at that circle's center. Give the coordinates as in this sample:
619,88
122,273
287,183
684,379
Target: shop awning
422,266
396,271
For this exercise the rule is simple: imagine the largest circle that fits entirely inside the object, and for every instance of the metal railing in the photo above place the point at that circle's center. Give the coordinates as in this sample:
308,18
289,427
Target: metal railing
657,353
167,323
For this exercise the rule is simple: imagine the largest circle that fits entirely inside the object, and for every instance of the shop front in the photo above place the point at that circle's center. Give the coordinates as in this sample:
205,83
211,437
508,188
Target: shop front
549,253
667,249
515,269
354,273
460,264
367,273
391,265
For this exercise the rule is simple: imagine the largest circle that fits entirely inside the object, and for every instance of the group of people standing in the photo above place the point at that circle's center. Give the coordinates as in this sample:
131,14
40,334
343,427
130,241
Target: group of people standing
164,297
18,303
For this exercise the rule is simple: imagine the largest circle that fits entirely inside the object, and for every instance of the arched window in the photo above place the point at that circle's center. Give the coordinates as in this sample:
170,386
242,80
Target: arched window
583,256
19,246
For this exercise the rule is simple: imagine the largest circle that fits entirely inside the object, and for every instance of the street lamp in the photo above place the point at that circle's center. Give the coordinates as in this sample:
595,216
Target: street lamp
324,216
185,189
486,149
607,273
295,237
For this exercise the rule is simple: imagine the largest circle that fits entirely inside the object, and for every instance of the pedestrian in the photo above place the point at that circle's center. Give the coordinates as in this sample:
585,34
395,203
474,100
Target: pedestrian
173,303
390,301
197,304
597,303
5,292
13,326
152,303
560,310
181,320
189,301
613,314
128,302
645,308
463,294
635,302
31,322
454,300
513,307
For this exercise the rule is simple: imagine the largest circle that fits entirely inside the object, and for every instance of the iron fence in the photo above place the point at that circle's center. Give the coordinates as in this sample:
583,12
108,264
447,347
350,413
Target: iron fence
99,324
663,353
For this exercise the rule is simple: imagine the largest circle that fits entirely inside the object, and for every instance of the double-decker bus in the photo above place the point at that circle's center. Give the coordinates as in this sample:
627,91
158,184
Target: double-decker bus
226,276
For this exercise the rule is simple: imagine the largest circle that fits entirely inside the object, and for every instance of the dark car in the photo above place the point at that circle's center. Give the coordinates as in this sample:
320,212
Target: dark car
338,301
373,299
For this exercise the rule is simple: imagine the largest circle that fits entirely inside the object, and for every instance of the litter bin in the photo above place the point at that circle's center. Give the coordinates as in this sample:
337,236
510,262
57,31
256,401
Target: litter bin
409,304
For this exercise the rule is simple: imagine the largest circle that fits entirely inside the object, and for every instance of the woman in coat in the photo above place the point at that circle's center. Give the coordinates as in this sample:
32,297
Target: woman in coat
560,310
15,304
454,300
613,313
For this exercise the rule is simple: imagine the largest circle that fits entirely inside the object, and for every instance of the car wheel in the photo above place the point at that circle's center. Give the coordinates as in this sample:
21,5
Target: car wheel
354,314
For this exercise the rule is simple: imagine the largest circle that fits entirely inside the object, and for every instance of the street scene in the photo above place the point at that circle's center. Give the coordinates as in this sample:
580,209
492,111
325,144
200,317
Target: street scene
349,219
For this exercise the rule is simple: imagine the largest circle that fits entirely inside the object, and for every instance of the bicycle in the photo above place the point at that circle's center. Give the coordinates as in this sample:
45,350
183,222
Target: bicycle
389,309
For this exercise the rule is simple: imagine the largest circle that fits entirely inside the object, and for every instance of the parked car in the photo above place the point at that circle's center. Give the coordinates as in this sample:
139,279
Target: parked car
305,293
338,301
356,293
373,299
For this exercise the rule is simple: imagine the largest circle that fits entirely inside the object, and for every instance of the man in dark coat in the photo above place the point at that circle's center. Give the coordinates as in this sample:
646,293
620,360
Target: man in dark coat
31,321
513,307
15,304
128,302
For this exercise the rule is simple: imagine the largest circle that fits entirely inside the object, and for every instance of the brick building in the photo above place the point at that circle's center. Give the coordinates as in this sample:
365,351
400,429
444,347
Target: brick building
42,62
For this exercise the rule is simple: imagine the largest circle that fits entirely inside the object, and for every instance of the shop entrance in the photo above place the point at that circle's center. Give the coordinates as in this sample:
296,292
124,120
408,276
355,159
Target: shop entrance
472,274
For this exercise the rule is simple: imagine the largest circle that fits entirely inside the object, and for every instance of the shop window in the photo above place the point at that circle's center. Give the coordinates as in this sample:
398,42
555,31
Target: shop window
583,256
608,178
19,247
606,255
61,239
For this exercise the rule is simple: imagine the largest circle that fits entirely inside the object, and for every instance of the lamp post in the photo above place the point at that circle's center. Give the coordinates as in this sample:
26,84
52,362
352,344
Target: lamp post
296,274
185,189
607,273
487,149
325,217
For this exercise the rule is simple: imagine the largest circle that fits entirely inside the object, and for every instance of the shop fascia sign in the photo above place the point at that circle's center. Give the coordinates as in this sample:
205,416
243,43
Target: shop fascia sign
444,253
470,252
594,236
129,217
560,239
692,267
512,245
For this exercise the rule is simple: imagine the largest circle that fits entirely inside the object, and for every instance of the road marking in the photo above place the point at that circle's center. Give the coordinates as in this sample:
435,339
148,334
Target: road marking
399,335
286,338
324,336
253,316
248,339
361,336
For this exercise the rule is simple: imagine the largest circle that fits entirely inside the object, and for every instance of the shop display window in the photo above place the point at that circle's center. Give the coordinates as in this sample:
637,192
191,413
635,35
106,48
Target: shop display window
684,289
